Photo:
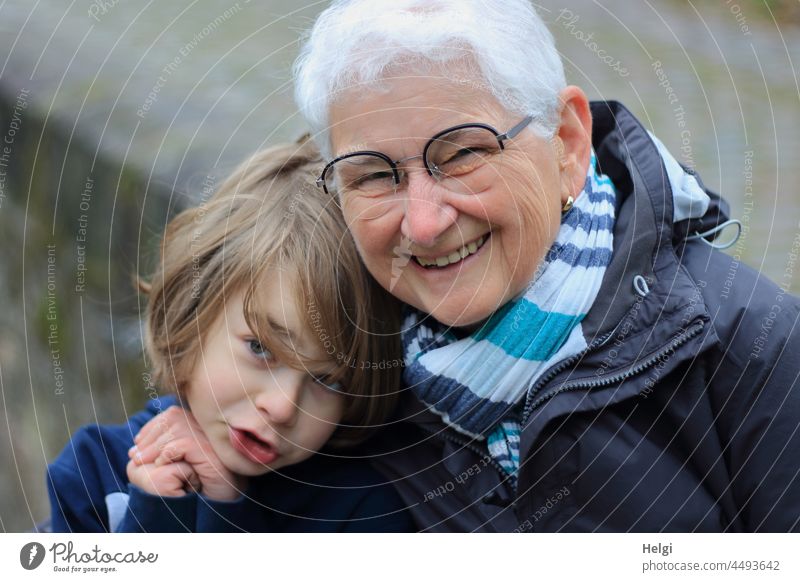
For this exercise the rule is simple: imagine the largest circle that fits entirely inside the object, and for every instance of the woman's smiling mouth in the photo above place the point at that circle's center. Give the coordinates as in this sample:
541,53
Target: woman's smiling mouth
455,257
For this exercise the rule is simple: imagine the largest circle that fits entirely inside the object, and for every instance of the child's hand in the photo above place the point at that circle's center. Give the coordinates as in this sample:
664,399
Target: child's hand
172,455
173,480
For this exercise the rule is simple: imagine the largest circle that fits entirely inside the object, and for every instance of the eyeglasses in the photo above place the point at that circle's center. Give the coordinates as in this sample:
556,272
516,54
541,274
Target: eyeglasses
450,155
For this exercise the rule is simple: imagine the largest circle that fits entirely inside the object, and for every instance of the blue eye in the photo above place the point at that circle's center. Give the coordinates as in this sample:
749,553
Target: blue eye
327,382
258,349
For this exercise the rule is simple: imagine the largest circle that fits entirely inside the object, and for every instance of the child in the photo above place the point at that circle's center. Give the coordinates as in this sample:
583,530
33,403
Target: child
259,318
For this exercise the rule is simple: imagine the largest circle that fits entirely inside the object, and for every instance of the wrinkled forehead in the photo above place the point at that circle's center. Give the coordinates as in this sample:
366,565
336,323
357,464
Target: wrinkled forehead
398,114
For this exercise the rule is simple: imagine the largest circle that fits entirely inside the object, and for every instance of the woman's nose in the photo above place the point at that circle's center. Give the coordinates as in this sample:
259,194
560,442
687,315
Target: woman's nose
280,401
427,215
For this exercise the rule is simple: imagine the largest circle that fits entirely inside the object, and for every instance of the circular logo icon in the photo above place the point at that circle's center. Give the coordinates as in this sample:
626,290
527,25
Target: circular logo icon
31,555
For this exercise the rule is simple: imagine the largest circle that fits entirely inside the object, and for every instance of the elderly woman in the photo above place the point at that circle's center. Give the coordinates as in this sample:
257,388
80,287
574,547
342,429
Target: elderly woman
578,355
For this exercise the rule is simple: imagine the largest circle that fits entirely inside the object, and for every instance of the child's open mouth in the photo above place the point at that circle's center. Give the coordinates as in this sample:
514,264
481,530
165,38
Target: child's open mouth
252,447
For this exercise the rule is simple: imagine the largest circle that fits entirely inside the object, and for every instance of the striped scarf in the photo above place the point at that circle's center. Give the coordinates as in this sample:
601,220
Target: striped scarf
474,382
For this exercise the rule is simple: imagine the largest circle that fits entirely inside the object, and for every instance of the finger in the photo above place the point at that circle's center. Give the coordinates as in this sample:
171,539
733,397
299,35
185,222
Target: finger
144,431
149,450
173,479
154,429
132,470
194,483
143,456
170,480
146,453
198,452
186,476
172,452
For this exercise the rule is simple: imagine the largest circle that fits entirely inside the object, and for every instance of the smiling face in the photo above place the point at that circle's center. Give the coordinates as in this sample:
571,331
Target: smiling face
471,249
258,413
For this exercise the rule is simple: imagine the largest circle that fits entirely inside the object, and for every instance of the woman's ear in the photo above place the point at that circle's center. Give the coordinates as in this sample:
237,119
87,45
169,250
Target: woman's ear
573,140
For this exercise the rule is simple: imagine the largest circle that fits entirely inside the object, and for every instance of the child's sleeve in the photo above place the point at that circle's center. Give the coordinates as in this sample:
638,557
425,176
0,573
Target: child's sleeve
80,478
88,483
189,513
144,512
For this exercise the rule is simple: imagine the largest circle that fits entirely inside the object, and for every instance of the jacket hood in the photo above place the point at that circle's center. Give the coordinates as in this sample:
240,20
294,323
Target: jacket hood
689,200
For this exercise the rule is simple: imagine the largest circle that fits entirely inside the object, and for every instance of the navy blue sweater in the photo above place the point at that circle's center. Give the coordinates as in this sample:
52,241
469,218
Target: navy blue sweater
89,492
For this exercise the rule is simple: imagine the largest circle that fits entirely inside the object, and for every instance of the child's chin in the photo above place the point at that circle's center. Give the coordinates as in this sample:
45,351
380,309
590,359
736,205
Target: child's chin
248,468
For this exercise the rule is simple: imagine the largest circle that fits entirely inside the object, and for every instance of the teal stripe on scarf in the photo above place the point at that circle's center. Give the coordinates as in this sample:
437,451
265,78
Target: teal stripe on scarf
545,331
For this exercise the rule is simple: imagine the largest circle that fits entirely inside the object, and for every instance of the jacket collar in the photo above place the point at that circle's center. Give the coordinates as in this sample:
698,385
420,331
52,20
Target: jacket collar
646,241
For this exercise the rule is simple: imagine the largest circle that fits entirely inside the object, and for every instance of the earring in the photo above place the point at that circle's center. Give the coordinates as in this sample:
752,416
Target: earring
567,205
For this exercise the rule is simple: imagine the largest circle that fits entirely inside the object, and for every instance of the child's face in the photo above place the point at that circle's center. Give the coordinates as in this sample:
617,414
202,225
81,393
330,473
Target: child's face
259,414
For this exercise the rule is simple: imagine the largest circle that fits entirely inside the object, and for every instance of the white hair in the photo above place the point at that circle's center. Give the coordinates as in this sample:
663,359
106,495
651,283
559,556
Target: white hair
355,42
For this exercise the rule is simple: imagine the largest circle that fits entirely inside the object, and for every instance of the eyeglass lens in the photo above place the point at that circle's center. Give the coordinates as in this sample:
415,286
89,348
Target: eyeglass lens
453,156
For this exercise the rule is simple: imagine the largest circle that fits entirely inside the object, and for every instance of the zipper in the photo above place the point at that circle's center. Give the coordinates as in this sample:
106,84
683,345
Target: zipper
468,445
531,404
505,479
555,370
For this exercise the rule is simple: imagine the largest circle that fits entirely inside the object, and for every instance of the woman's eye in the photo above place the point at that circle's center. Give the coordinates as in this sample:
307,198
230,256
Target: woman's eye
463,152
466,152
464,160
373,178
258,350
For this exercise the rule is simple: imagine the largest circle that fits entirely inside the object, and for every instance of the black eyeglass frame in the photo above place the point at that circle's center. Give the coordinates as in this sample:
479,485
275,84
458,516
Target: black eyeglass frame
501,137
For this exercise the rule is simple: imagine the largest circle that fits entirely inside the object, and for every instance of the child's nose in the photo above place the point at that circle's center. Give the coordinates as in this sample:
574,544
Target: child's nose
280,402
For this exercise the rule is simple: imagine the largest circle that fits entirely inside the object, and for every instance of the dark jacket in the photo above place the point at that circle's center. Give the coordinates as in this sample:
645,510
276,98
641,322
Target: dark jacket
683,413
89,492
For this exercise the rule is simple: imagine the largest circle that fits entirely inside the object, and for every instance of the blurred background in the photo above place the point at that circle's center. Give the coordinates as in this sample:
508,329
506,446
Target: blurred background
113,114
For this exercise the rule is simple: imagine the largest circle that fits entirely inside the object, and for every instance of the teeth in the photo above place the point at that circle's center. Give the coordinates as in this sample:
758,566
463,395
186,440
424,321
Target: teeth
453,257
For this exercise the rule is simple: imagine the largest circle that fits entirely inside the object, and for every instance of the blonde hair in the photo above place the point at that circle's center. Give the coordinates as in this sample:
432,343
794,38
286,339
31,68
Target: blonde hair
270,214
